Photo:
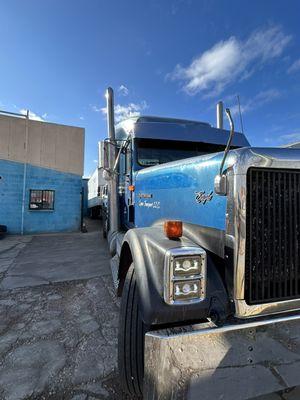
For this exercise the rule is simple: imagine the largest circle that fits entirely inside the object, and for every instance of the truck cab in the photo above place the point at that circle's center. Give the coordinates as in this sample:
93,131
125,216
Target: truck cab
148,141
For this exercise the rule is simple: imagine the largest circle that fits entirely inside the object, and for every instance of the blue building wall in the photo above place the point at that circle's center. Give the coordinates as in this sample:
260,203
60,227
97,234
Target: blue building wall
67,204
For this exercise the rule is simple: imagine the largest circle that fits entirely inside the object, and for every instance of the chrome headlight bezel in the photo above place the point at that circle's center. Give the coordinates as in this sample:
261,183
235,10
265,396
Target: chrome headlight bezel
170,277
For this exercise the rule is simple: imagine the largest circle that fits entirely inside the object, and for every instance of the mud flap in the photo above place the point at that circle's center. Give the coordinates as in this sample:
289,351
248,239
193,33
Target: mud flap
233,362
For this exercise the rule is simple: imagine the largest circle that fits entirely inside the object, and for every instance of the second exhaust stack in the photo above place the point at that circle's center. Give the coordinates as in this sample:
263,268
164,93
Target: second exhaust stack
220,115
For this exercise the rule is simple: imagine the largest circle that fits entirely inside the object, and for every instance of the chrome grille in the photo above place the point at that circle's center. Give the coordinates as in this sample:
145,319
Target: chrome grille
272,268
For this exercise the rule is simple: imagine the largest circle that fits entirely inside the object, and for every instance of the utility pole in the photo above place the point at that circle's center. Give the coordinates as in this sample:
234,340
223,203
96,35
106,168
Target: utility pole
25,171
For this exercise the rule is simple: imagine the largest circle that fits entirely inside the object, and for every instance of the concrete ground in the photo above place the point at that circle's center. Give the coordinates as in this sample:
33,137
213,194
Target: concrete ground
59,319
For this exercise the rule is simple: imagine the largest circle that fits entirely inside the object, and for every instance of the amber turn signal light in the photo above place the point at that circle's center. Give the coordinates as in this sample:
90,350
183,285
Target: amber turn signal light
131,188
173,229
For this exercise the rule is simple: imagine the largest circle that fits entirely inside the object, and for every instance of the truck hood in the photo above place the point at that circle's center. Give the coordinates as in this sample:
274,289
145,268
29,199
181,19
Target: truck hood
184,189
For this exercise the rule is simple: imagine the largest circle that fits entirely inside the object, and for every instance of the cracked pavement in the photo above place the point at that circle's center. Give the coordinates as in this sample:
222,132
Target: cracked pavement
59,318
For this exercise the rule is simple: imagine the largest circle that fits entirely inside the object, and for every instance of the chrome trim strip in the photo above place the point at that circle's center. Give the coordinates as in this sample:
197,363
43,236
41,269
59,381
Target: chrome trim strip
243,310
240,197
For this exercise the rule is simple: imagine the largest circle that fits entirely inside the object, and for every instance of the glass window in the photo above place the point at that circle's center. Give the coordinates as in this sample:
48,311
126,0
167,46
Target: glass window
153,152
41,200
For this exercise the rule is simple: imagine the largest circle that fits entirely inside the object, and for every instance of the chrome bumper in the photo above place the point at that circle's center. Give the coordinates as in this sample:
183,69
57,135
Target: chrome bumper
232,362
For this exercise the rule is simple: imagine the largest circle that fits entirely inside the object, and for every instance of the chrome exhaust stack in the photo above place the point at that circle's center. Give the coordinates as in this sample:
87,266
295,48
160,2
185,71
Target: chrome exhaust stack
113,211
110,114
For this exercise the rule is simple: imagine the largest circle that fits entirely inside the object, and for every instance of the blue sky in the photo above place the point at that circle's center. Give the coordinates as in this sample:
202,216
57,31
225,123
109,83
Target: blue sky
170,58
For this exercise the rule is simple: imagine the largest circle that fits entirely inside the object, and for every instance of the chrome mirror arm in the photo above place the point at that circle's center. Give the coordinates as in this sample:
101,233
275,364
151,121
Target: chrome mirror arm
229,140
221,179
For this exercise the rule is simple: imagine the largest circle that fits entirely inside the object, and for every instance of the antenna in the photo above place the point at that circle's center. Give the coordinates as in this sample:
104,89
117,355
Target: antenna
240,112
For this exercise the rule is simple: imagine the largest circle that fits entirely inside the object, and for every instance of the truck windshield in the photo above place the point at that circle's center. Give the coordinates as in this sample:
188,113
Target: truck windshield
153,152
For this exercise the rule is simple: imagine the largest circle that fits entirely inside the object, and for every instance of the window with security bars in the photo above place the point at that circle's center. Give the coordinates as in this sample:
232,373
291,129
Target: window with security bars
41,200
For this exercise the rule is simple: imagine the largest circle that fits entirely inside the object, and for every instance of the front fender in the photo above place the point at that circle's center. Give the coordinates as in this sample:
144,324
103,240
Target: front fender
148,247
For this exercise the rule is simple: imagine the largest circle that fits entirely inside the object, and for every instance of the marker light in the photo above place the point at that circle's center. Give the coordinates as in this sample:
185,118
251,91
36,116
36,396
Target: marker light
131,188
173,229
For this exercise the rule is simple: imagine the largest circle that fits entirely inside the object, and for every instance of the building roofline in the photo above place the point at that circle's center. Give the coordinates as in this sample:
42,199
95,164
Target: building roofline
9,114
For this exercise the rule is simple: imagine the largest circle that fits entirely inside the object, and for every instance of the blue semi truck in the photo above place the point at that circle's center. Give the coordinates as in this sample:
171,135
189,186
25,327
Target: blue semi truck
204,234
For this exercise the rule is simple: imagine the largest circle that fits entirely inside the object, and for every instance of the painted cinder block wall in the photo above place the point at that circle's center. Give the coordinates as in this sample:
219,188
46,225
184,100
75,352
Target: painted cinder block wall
46,169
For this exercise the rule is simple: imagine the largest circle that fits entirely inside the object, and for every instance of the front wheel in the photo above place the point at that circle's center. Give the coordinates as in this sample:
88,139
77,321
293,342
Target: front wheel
131,338
104,224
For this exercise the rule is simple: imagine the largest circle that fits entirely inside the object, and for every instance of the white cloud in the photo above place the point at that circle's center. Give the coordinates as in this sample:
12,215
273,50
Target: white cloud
230,60
125,111
294,67
282,138
259,100
123,90
95,161
81,118
290,137
33,115
95,108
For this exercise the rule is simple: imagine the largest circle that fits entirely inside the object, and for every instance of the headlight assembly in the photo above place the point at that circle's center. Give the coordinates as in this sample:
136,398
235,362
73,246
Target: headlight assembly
185,275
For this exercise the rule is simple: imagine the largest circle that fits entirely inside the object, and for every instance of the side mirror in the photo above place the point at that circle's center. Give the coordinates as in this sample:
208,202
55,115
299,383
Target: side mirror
106,175
221,184
103,154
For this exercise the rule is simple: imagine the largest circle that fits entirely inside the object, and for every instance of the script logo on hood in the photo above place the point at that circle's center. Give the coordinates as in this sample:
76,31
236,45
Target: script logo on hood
202,197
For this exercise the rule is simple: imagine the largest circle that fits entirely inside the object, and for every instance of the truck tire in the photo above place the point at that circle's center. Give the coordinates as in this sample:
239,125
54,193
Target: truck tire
131,339
3,230
104,226
92,213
